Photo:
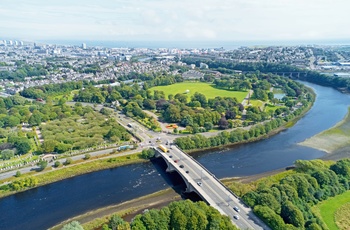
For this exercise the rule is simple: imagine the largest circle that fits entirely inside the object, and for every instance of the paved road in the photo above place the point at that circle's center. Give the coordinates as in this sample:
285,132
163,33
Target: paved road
200,179
212,190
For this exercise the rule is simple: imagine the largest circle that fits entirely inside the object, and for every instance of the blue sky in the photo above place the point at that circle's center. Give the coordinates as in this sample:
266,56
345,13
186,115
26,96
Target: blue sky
170,20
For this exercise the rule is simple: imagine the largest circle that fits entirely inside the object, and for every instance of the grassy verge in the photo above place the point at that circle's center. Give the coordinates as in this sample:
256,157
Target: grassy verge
328,209
64,172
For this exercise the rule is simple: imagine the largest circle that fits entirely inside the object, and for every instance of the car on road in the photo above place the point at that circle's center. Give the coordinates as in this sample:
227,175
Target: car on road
236,209
176,161
181,166
171,156
199,183
187,171
236,217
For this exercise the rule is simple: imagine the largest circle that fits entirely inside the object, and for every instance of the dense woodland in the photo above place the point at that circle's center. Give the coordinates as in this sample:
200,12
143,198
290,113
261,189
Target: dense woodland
287,204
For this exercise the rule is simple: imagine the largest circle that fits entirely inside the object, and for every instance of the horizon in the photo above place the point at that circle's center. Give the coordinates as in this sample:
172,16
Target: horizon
166,20
187,44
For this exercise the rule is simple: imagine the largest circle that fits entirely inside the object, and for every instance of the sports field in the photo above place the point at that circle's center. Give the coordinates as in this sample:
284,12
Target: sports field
335,211
207,89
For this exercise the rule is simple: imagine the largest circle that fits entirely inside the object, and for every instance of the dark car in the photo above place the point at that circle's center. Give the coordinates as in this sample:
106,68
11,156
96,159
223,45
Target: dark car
181,166
187,171
236,209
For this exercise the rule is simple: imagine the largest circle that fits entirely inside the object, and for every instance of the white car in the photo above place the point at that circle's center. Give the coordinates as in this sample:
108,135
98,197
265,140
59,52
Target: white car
199,183
236,217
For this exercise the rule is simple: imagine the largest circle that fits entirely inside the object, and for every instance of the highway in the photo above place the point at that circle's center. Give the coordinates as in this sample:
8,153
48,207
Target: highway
211,190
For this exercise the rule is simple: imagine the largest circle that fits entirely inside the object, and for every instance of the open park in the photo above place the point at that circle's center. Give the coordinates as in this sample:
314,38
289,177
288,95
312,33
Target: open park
207,89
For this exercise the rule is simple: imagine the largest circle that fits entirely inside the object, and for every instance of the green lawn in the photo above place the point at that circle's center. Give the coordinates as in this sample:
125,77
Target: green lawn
207,89
329,207
257,103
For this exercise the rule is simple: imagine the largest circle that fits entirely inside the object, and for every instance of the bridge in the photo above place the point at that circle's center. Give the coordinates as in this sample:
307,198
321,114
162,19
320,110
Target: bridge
295,74
199,180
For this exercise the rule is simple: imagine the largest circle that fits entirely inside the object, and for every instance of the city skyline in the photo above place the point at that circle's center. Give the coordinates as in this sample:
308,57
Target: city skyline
155,20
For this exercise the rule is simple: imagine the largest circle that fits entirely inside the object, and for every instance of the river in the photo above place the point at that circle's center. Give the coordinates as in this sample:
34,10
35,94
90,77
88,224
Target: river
43,207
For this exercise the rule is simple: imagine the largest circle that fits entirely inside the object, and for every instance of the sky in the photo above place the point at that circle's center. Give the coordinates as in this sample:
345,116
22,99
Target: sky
174,20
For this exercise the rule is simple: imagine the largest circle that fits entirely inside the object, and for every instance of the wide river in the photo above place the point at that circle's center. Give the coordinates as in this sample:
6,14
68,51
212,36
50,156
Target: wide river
43,207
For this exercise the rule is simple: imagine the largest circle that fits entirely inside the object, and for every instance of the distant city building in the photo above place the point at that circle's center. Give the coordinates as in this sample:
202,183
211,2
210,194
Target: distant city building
83,46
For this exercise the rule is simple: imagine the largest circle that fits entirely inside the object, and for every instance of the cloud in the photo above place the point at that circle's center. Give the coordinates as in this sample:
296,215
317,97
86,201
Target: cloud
175,20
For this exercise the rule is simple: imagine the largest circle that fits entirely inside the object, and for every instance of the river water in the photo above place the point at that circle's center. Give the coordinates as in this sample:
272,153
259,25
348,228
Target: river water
43,207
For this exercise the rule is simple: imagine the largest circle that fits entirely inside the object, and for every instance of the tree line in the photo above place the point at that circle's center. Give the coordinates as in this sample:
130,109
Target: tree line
178,215
287,203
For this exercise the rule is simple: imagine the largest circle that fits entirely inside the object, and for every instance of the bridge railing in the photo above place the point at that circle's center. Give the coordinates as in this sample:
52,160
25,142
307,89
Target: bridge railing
227,189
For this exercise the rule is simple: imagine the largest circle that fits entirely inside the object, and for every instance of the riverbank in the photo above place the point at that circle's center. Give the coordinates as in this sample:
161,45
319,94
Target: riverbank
51,175
96,218
334,141
273,132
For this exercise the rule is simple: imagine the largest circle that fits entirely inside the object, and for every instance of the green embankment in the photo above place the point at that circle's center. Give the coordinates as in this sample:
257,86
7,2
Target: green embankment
332,139
207,89
75,169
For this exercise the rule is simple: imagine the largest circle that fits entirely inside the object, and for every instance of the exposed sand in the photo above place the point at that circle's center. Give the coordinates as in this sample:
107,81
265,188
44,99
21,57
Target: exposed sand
334,141
132,207
155,200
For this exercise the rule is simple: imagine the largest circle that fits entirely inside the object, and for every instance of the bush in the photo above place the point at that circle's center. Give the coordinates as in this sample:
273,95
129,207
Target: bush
57,164
68,161
42,165
87,156
18,174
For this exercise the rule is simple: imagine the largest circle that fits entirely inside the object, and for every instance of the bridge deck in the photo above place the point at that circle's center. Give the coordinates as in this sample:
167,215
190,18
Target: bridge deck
206,185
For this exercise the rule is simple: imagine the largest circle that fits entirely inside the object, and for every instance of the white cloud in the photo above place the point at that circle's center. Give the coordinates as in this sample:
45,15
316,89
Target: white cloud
175,20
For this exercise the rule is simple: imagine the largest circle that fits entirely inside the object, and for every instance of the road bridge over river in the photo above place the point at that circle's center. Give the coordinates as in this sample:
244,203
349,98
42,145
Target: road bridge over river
198,179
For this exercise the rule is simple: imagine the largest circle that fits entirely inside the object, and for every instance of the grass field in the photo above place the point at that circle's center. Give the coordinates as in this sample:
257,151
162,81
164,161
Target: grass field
332,139
342,216
328,210
207,89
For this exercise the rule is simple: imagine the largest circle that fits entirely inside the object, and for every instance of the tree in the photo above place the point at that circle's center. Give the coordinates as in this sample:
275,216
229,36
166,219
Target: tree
22,146
87,156
208,126
18,174
74,225
49,146
42,165
57,164
292,215
181,98
147,153
7,154
223,124
68,161
116,222
172,114
35,119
